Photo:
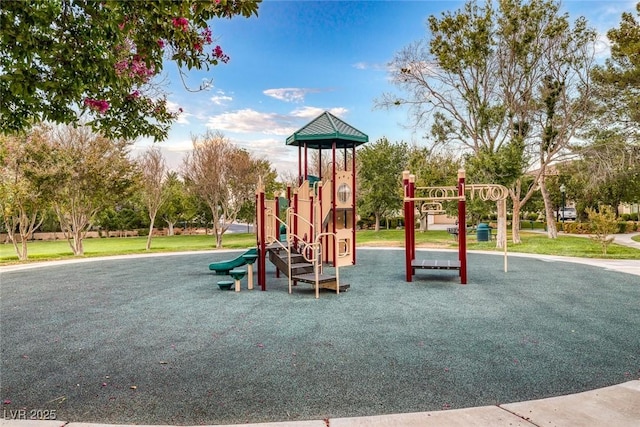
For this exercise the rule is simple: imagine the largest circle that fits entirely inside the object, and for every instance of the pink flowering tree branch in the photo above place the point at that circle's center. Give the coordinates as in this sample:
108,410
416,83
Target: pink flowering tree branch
100,58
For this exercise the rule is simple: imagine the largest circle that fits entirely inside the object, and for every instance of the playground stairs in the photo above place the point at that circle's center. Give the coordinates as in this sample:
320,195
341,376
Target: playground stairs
301,269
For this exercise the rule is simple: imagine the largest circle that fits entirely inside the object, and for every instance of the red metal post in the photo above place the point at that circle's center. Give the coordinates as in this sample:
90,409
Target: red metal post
314,231
334,196
353,203
299,165
295,217
407,237
306,164
256,229
262,247
277,213
412,213
462,227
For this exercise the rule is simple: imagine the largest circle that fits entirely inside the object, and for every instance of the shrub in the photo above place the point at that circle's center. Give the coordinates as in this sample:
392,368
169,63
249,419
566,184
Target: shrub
532,217
626,226
603,223
574,227
625,217
532,224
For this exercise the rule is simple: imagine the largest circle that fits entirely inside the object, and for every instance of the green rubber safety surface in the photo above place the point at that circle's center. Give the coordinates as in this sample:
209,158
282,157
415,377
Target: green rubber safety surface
154,341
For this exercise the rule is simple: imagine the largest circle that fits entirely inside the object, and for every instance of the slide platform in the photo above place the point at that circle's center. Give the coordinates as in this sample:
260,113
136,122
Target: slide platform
223,267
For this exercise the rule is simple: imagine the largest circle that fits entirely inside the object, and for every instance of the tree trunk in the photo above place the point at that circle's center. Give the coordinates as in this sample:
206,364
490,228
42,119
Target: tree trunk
24,255
76,243
12,237
424,222
515,221
377,224
150,234
552,231
20,247
171,225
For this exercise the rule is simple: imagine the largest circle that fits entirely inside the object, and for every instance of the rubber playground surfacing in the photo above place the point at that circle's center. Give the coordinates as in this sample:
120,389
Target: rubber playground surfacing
154,341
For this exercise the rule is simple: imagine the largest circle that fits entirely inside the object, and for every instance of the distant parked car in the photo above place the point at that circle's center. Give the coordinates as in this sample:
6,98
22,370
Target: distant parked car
568,214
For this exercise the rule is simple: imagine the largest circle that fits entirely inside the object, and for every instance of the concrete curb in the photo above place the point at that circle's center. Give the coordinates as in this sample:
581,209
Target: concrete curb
618,405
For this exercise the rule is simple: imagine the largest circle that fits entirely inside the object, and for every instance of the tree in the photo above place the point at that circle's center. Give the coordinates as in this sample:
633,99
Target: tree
603,224
607,171
223,176
153,171
379,176
487,79
126,215
59,57
180,204
433,169
21,201
84,173
618,80
269,175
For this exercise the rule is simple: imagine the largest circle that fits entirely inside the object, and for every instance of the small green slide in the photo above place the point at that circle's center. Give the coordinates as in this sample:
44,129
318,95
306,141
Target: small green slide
223,267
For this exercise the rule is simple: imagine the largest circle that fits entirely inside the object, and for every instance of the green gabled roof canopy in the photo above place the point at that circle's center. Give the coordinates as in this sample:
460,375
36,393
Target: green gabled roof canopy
324,130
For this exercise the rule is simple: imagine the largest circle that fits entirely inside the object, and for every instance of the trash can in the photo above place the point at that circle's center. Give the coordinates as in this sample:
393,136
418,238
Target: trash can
483,232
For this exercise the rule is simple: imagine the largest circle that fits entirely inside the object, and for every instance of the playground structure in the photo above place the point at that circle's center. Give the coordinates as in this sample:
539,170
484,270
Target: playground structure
430,199
318,225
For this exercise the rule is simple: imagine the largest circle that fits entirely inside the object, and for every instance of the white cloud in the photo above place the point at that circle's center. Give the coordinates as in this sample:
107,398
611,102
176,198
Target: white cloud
282,158
183,116
290,94
602,46
251,121
370,66
221,98
313,112
173,152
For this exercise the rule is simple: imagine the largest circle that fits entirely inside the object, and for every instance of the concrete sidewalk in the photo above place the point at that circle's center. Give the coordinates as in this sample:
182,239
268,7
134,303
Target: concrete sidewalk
618,405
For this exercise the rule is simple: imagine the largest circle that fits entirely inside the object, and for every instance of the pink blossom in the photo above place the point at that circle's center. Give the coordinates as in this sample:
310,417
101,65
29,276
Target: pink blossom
182,23
99,105
219,54
121,67
197,46
206,35
161,43
134,68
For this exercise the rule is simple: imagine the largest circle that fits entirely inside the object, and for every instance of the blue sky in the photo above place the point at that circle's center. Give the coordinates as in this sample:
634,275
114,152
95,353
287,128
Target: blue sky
300,58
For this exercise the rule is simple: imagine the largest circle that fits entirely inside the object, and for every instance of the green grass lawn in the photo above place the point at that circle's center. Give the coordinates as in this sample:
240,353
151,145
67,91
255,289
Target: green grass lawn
531,243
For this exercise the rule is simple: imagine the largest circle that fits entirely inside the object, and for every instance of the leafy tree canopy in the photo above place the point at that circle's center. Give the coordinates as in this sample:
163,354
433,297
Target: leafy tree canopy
620,76
65,60
379,173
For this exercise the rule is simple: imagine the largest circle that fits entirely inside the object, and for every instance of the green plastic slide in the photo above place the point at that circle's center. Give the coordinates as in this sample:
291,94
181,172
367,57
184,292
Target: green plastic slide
223,267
